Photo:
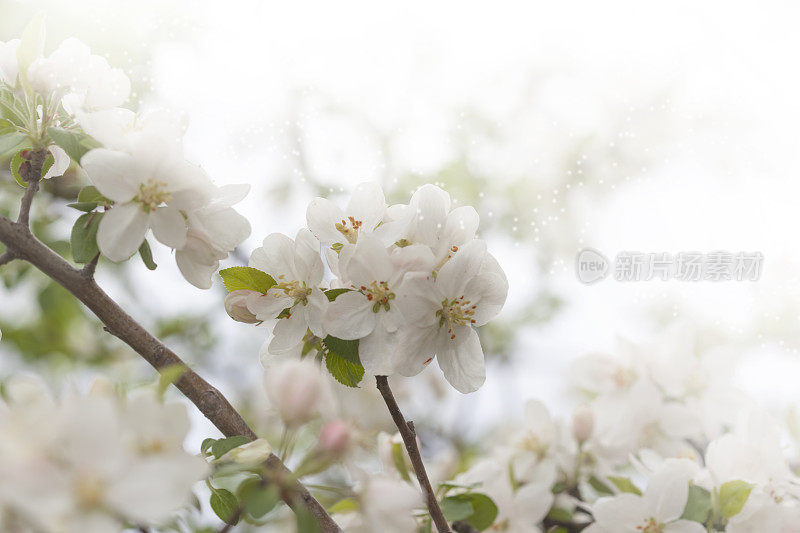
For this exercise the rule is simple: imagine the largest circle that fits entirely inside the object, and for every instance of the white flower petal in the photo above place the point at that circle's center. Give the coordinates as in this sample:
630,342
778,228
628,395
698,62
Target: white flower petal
368,205
462,363
350,316
322,215
60,163
288,333
115,174
169,226
416,348
458,271
377,350
121,231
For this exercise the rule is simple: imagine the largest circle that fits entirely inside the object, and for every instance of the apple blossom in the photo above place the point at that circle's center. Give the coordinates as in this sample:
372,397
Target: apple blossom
151,188
442,312
368,312
658,510
297,268
297,390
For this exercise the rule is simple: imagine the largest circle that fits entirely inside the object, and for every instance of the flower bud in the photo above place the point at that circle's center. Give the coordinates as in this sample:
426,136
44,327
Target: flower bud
582,423
251,453
236,306
296,390
334,439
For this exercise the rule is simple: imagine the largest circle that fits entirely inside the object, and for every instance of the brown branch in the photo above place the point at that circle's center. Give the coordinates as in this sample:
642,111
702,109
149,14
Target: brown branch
6,257
24,245
31,172
410,440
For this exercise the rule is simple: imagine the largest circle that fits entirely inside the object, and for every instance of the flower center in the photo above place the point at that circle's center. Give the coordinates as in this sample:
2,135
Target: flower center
152,194
650,526
624,377
378,292
349,228
293,289
532,443
457,312
89,490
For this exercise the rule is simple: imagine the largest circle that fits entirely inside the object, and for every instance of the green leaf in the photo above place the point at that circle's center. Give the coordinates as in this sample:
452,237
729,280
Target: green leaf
74,143
698,506
205,447
257,499
600,486
344,371
333,293
11,142
484,511
223,446
624,484
91,194
83,239
559,514
347,350
169,375
306,523
147,255
399,459
247,278
455,508
225,505
346,505
83,206
732,497
16,162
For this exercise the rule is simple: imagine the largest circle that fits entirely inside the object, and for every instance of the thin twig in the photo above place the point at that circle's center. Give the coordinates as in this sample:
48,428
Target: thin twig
24,245
410,440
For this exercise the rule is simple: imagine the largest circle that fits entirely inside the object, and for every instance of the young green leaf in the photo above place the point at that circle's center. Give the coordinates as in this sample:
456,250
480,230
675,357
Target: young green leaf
399,460
257,499
147,255
732,497
16,163
225,505
74,143
86,207
305,520
347,350
698,506
238,278
344,371
223,446
456,508
624,484
169,375
333,293
205,447
346,505
91,194
83,239
484,511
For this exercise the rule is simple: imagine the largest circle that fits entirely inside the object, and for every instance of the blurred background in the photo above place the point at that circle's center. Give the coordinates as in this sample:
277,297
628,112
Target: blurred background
612,125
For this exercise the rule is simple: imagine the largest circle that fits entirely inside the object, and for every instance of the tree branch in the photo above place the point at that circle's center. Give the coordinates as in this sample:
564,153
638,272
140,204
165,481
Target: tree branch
6,257
410,440
24,245
31,172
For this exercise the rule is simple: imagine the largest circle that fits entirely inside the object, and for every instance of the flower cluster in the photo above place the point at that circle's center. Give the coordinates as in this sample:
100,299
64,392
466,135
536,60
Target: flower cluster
656,417
409,283
69,104
91,463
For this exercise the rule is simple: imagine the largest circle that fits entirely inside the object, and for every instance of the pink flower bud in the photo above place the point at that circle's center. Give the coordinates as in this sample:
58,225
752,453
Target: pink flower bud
297,390
334,438
236,306
582,423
